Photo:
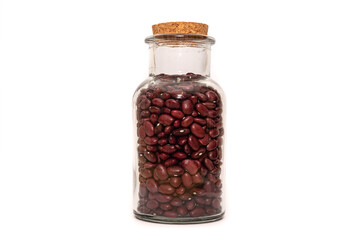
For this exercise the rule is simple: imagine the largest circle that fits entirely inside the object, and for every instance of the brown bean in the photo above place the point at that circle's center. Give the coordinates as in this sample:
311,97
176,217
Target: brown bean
197,130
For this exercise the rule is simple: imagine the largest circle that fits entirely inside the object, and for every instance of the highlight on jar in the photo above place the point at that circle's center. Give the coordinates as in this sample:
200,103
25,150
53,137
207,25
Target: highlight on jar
178,116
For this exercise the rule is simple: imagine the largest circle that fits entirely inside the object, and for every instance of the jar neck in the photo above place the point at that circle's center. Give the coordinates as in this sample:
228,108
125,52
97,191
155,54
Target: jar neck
180,59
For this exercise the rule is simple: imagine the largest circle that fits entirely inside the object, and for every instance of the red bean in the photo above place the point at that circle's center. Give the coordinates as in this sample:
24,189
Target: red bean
216,203
181,132
152,204
146,173
202,109
177,114
168,148
149,128
212,145
158,102
205,140
151,140
190,166
166,119
173,104
151,185
193,142
175,171
142,133
161,198
179,155
161,172
209,164
214,133
165,206
175,182
190,205
166,189
197,130
176,202
187,121
182,211
197,212
187,180
187,107
171,214
150,156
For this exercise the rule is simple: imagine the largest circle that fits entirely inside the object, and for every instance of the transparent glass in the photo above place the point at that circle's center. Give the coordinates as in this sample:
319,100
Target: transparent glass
178,116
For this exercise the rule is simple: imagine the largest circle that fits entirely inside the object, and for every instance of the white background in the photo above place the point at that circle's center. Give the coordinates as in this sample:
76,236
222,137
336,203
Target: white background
290,70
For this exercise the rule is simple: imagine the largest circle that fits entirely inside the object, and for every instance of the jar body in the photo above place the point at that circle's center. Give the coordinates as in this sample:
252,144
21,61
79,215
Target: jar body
179,133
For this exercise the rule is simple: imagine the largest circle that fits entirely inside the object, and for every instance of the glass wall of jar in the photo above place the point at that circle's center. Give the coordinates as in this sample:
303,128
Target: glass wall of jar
179,125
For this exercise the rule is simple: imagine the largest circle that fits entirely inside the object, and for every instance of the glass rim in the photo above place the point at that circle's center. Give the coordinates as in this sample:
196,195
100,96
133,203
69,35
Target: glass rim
180,39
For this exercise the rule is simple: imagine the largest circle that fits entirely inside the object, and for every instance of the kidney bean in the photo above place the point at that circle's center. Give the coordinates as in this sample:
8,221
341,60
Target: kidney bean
142,133
209,164
198,153
166,189
143,190
176,202
202,97
166,119
175,171
212,145
151,185
202,109
187,107
193,142
150,156
205,140
213,155
177,123
197,179
212,114
181,132
180,190
168,148
152,204
165,206
158,102
187,180
214,133
145,104
187,149
190,166
211,95
160,172
175,181
151,140
190,205
179,155
200,121
197,130
182,140
197,212
173,104
170,162
216,203
210,105
182,211
171,214
146,173
161,198
177,114
187,121
210,123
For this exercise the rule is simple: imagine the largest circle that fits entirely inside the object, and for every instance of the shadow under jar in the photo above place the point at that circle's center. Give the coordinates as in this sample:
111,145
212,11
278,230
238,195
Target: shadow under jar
178,113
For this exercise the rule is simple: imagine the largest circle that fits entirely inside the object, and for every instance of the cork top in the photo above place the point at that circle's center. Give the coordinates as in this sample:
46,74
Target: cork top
180,28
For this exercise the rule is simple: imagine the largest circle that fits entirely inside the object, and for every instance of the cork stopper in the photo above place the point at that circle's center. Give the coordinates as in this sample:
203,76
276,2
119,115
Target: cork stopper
180,28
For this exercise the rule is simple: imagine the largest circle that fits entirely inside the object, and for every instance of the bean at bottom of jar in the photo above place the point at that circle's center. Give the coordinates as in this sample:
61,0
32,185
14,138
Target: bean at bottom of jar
192,203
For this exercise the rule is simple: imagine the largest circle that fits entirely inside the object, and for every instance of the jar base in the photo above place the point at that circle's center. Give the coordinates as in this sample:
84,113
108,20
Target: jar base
179,220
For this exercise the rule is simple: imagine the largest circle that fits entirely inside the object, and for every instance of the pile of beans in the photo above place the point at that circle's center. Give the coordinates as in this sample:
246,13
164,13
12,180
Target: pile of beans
179,129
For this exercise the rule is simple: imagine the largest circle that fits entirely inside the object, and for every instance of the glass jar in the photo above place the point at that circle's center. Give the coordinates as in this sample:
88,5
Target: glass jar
178,113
